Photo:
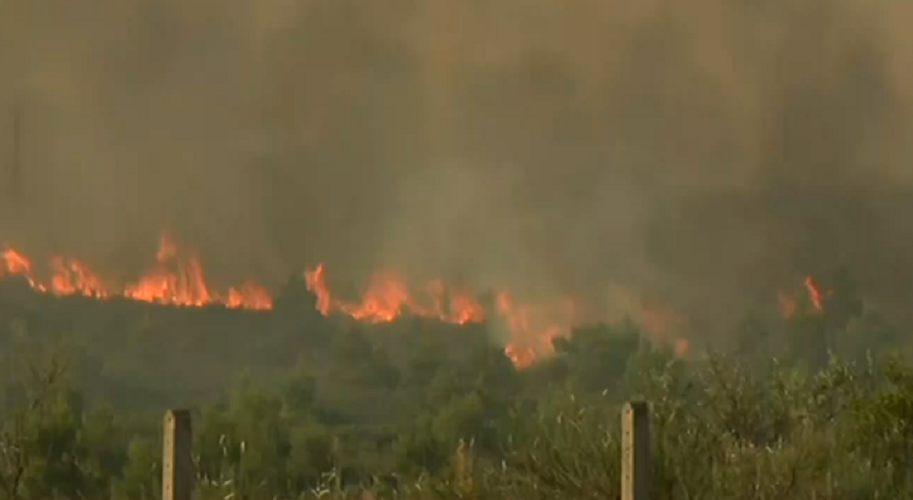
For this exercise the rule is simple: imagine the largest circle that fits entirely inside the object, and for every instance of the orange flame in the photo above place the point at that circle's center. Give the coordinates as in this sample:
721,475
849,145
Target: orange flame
14,263
388,297
178,279
814,294
72,277
520,357
788,303
183,285
533,328
315,283
173,281
249,296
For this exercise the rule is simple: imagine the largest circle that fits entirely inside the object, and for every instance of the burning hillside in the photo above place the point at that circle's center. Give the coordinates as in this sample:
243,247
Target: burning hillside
177,278
532,327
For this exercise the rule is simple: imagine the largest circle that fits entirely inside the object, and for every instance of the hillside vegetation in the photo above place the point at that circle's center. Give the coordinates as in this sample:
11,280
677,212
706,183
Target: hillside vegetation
289,404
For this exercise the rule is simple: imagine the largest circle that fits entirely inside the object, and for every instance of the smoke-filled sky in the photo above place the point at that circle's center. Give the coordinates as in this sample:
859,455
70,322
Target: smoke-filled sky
693,153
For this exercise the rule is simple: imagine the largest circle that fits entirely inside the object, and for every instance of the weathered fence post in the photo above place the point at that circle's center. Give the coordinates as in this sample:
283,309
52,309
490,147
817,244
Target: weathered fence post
177,465
635,451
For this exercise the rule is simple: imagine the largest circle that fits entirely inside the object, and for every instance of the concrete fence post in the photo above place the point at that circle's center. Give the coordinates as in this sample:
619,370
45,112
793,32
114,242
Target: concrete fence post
177,464
635,451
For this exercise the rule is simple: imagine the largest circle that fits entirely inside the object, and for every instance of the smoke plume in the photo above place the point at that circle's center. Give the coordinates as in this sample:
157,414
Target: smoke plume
684,154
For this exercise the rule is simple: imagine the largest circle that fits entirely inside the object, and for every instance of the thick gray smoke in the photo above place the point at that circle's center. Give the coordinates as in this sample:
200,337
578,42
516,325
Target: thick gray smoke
692,152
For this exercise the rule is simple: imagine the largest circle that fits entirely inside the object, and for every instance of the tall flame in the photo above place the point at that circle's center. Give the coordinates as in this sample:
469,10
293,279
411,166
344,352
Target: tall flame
814,294
177,278
174,280
789,304
71,277
388,297
532,327
15,263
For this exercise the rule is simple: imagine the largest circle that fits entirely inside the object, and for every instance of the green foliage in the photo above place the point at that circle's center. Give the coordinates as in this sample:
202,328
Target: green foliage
141,477
803,407
597,355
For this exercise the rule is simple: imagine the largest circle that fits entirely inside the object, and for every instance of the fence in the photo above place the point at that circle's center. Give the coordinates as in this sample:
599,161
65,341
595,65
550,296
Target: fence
178,475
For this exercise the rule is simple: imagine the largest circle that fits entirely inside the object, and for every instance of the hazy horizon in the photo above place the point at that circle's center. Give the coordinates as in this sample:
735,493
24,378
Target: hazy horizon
691,155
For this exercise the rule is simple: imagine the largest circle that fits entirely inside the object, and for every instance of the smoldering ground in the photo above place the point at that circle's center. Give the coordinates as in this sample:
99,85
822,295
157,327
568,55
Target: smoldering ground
693,154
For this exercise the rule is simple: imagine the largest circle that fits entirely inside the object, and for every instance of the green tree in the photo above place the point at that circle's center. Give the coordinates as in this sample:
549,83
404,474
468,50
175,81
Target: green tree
142,475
